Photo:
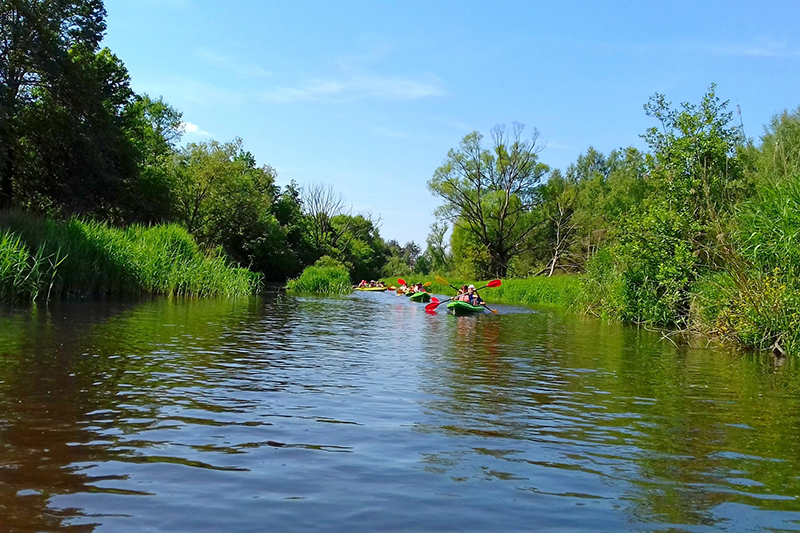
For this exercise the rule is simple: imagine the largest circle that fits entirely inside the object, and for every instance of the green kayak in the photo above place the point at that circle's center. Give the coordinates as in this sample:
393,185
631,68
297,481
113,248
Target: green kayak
420,297
459,308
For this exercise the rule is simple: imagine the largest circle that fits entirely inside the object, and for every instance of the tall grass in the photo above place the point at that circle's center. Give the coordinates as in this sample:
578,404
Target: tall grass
82,258
326,276
756,299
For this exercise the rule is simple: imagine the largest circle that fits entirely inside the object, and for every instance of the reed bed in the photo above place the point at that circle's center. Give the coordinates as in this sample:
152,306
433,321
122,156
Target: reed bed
80,258
322,279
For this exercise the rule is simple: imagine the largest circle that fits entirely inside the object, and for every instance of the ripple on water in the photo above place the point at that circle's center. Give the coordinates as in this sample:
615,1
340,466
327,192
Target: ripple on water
365,413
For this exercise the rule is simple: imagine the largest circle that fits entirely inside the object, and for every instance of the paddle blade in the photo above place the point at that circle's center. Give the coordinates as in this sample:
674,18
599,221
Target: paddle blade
431,307
434,300
426,284
401,281
440,279
494,283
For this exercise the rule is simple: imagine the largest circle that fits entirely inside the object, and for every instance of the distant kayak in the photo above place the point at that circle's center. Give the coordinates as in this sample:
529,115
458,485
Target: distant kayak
420,297
459,308
371,289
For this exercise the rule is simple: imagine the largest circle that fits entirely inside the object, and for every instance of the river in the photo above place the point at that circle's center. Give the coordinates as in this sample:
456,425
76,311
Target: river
364,413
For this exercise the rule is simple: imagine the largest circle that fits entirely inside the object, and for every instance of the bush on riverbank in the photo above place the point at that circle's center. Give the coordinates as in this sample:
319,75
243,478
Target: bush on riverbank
326,276
756,299
80,258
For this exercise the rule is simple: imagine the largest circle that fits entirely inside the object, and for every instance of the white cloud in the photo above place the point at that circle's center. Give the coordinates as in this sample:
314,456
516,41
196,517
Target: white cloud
194,129
357,88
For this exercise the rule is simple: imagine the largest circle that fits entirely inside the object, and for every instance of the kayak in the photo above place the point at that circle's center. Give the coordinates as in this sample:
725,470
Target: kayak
420,297
459,308
372,289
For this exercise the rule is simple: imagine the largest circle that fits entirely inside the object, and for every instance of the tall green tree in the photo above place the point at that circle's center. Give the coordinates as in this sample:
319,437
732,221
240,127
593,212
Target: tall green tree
490,192
153,128
47,50
225,199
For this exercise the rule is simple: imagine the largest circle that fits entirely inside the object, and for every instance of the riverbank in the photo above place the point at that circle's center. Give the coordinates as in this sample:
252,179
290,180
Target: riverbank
744,314
558,291
41,258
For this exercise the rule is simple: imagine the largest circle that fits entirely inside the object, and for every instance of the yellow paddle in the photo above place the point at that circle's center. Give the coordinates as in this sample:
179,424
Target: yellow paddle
441,280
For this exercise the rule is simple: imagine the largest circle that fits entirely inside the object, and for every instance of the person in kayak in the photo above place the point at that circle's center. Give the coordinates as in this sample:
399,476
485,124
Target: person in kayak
473,298
462,294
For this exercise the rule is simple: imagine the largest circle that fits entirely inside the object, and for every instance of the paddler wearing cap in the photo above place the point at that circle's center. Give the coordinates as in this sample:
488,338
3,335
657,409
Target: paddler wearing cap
473,298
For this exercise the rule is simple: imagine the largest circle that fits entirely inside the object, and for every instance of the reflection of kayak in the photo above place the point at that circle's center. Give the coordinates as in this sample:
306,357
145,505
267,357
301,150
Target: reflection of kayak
420,297
373,289
459,308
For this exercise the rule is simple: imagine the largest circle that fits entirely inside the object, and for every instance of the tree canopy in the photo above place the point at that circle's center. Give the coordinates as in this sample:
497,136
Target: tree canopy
490,192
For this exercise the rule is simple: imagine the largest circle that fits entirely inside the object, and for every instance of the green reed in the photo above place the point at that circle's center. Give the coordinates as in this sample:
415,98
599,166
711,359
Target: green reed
80,258
322,279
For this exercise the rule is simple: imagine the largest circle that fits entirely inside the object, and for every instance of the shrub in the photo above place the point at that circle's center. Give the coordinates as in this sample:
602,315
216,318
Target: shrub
327,276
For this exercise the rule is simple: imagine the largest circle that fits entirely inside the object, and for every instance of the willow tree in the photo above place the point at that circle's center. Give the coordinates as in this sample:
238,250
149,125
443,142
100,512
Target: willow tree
490,192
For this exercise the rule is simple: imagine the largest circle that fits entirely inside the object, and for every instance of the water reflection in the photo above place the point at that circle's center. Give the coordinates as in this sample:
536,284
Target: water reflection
340,413
676,435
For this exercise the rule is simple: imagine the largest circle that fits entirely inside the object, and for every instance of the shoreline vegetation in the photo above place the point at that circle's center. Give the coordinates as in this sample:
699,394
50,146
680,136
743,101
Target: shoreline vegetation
41,258
699,232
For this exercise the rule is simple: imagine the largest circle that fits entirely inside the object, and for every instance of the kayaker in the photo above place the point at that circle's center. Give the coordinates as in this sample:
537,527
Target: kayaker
363,284
473,297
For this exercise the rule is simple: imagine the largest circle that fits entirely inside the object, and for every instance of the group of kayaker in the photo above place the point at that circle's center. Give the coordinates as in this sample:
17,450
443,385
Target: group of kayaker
466,301
410,289
371,285
469,294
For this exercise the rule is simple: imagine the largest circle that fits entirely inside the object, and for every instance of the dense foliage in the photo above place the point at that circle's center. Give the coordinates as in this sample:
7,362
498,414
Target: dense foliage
700,232
326,276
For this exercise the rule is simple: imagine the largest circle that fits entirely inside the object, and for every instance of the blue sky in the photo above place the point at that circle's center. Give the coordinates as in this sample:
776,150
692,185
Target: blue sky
369,96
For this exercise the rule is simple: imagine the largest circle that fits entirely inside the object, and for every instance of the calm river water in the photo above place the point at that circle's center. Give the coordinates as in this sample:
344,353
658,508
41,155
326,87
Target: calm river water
364,413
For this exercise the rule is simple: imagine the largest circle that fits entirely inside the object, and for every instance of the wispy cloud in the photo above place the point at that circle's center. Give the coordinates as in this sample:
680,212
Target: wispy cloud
760,47
357,87
194,129
184,91
243,69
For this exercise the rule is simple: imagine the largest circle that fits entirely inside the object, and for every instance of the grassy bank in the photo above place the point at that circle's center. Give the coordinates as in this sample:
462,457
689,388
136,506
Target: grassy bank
42,258
561,291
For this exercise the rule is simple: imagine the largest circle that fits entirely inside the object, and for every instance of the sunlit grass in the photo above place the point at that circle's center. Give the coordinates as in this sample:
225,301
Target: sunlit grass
83,258
561,291
322,279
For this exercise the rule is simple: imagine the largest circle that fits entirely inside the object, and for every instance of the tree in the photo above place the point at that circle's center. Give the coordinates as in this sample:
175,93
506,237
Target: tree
321,204
489,193
154,128
47,51
695,156
559,199
224,199
438,254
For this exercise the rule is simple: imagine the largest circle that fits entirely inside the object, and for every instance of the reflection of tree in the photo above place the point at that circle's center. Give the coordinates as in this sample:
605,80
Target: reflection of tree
671,434
79,383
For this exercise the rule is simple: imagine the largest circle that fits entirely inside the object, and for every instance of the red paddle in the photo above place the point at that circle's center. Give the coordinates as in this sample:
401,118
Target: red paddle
433,305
